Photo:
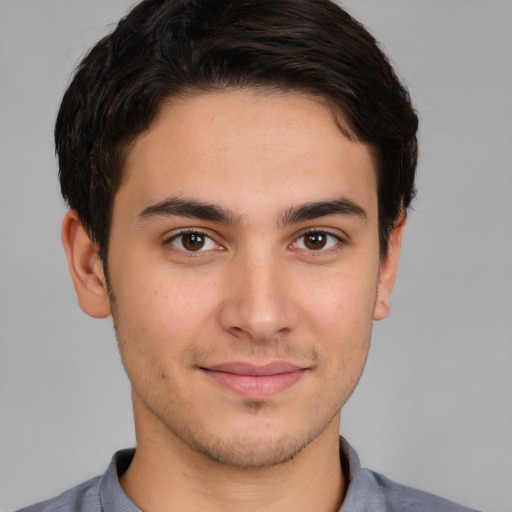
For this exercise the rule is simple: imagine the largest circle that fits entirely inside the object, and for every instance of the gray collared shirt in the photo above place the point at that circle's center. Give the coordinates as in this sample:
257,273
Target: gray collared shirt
367,492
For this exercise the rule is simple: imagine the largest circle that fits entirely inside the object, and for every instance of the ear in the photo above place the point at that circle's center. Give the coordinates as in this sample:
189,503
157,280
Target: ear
389,269
85,267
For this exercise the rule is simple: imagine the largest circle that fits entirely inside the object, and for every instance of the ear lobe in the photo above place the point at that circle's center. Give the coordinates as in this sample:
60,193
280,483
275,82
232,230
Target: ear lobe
85,267
389,270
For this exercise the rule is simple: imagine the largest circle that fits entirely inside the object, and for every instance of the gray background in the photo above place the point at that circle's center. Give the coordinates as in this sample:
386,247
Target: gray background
434,408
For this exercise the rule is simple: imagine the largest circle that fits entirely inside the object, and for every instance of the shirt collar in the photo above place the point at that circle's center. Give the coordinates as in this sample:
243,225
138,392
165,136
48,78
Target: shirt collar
112,496
363,492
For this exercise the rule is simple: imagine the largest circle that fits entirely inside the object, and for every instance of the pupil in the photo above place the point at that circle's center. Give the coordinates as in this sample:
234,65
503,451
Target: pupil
315,240
193,241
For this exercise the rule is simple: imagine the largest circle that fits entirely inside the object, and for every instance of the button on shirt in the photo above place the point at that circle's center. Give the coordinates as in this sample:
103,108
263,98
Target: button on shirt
367,492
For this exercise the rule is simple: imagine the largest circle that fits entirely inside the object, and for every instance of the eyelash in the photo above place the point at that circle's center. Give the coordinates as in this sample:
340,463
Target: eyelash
189,231
319,231
312,231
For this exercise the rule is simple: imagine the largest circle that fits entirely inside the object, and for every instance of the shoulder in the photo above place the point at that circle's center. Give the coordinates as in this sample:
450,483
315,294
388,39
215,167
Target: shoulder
369,491
94,495
82,498
400,498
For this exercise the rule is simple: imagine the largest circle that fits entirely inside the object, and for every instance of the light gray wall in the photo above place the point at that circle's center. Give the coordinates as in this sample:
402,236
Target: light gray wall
434,408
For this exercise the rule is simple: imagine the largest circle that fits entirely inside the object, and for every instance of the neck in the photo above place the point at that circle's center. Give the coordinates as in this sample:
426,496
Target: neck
166,474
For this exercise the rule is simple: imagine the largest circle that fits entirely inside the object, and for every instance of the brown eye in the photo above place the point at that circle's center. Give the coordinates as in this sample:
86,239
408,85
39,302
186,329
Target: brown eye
315,241
193,241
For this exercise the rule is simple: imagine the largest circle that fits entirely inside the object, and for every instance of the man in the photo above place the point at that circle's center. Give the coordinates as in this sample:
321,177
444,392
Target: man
238,176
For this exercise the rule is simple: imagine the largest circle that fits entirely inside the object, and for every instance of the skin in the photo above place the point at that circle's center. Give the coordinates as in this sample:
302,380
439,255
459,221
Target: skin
259,290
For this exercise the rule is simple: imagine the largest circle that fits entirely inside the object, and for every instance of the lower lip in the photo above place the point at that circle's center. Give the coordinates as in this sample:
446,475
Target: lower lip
256,387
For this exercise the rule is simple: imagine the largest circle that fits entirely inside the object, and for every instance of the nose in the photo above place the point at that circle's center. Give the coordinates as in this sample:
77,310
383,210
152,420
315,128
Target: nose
258,300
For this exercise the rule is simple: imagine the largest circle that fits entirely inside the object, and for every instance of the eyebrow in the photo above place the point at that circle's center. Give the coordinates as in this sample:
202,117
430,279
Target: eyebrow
309,211
179,207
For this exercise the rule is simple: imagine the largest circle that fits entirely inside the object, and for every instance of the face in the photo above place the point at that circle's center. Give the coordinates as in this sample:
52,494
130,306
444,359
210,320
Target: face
244,269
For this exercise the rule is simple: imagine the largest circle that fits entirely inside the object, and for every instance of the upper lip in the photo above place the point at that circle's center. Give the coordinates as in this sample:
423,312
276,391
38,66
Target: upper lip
241,368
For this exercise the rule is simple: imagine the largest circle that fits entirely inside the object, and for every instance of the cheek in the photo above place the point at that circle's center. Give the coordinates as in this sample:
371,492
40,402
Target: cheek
340,313
158,315
342,299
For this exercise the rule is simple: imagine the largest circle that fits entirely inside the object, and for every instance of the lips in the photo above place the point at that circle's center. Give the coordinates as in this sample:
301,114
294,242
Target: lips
255,382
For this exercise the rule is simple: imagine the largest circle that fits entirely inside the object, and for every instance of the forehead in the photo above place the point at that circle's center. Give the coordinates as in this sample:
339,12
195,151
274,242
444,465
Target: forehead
247,150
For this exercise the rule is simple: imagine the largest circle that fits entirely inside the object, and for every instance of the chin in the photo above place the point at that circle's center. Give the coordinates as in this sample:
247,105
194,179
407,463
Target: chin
262,446
253,452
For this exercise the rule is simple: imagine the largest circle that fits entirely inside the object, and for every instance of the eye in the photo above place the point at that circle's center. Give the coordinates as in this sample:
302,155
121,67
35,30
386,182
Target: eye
193,241
316,241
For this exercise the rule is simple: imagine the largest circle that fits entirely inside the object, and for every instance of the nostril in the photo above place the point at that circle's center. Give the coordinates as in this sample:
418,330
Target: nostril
236,331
